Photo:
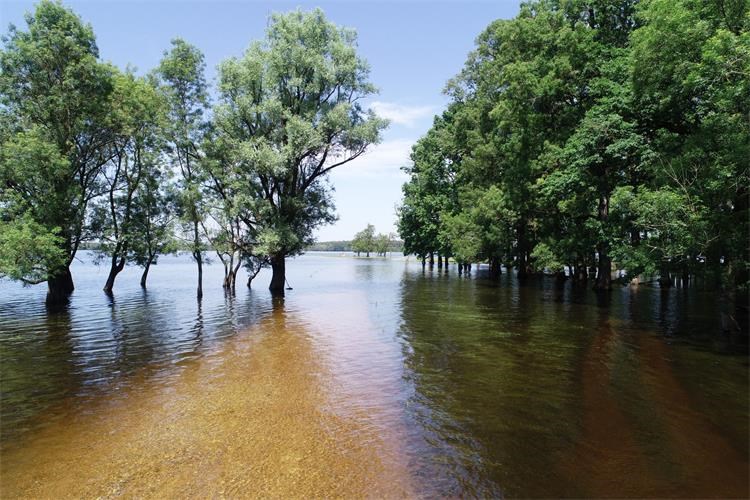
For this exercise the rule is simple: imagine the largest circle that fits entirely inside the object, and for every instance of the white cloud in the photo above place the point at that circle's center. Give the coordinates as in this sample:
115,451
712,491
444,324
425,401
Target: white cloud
400,114
382,160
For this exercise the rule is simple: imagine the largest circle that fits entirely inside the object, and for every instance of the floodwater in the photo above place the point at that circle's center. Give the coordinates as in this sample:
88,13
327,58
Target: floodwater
371,378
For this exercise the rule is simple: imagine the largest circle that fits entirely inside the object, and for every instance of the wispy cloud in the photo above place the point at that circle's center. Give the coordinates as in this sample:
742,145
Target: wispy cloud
382,160
401,114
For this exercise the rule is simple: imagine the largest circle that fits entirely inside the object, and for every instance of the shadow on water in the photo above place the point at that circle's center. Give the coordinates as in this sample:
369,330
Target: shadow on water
534,389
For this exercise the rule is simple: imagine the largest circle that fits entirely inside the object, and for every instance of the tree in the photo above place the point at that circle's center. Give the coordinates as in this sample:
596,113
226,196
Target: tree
382,244
181,78
137,109
153,219
695,111
289,113
55,97
431,195
364,241
233,232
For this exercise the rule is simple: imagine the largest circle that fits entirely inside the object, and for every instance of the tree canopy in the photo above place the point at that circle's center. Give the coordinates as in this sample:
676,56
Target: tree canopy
593,136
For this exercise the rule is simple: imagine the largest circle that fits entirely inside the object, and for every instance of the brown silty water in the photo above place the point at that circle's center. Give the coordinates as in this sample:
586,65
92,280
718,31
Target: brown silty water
254,419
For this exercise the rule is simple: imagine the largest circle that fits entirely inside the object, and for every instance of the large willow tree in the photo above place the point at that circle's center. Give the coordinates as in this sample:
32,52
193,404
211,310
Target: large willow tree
289,113
55,137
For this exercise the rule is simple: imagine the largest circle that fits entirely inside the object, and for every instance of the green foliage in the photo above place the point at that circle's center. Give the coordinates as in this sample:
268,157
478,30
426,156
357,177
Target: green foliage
382,244
288,114
364,241
57,133
28,250
591,130
138,111
180,78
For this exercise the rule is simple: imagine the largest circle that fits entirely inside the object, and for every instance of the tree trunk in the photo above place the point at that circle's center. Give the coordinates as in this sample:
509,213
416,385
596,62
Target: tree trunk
251,276
278,267
198,258
432,260
114,270
685,276
494,265
440,261
59,287
230,282
580,273
523,265
592,266
146,268
604,272
665,280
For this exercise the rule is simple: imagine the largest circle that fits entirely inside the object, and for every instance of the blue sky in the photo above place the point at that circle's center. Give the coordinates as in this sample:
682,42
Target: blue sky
413,48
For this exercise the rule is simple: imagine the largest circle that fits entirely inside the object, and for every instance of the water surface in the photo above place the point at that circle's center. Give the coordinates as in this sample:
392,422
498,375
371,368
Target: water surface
444,384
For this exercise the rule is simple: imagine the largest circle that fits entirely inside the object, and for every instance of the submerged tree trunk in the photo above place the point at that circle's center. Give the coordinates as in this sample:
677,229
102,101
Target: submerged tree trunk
198,256
278,267
579,271
230,276
146,268
685,275
592,267
432,260
115,268
665,280
604,271
251,276
59,286
495,270
522,250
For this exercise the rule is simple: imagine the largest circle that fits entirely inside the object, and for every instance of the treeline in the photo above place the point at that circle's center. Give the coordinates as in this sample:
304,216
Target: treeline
590,136
331,246
147,165
366,241
346,246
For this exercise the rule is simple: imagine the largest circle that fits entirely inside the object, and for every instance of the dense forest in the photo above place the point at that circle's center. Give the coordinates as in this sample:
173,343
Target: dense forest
146,165
593,139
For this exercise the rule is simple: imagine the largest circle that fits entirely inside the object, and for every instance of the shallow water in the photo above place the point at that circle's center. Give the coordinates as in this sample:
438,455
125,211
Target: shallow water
403,381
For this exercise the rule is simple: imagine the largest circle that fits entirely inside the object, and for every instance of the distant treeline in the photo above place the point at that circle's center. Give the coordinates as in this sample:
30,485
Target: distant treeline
346,246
